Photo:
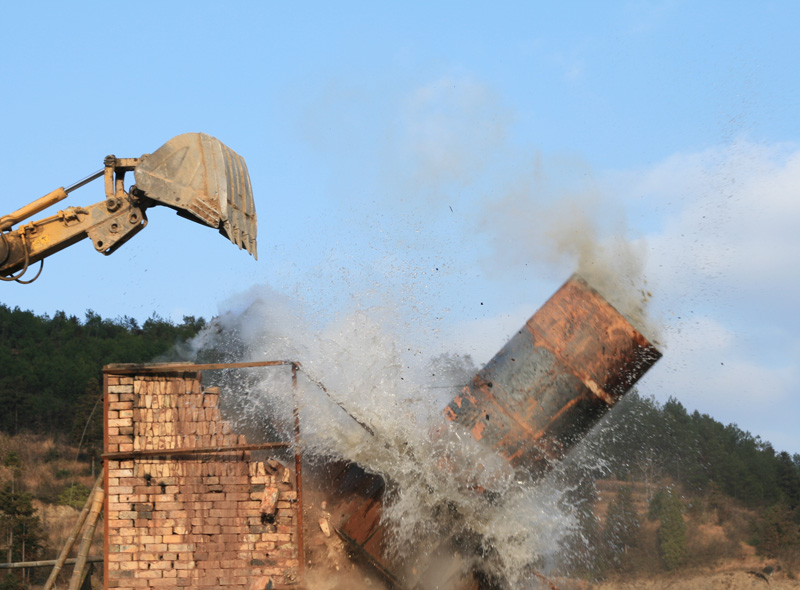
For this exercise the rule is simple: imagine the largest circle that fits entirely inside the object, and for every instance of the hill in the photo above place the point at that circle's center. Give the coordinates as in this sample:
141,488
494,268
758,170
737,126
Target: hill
52,366
657,491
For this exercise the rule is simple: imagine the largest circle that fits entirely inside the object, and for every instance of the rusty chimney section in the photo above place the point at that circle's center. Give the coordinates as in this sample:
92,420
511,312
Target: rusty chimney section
554,379
535,400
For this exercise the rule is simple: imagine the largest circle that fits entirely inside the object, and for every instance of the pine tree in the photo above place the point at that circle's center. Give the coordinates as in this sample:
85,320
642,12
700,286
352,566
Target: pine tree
779,531
788,480
21,525
622,528
668,508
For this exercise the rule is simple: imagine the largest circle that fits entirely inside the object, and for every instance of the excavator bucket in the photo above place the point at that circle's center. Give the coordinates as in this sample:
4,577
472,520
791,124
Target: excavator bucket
205,181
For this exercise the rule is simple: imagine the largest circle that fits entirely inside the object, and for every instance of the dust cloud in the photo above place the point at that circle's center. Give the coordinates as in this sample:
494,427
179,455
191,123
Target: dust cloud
365,396
531,212
550,226
368,390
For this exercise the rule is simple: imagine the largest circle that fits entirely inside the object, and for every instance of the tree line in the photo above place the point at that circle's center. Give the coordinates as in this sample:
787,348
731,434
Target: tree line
51,371
51,366
687,469
646,441
50,383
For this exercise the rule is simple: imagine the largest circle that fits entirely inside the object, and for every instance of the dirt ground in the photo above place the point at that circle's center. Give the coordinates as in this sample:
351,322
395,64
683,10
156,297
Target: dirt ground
735,580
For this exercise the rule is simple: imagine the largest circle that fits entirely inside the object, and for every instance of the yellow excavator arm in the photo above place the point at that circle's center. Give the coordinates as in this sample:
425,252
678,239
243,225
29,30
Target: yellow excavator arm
195,174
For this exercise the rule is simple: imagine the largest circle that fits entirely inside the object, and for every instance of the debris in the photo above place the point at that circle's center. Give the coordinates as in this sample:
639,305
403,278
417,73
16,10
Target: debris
262,583
269,502
325,527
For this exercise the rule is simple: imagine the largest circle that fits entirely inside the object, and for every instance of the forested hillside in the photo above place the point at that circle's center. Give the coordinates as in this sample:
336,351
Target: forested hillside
51,375
654,480
646,441
660,488
51,367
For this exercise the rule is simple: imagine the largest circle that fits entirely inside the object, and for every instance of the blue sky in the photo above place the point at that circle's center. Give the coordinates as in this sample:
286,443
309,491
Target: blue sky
457,161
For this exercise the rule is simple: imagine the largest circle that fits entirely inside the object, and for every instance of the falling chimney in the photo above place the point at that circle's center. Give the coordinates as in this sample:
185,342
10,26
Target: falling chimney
533,402
555,378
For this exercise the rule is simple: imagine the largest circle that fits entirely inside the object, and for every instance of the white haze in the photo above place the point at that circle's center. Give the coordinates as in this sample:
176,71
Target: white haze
381,407
375,350
527,211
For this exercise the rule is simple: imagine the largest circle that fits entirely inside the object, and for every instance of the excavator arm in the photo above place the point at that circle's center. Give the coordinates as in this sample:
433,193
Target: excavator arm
194,174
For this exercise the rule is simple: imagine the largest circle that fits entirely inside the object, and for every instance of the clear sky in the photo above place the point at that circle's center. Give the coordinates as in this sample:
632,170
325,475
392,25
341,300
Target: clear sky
457,159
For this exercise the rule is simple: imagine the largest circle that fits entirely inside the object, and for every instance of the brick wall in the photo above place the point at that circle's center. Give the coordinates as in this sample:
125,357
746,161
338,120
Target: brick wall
209,520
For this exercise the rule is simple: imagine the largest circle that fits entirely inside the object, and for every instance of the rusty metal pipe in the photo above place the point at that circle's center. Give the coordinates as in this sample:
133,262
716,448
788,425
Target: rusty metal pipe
555,378
298,474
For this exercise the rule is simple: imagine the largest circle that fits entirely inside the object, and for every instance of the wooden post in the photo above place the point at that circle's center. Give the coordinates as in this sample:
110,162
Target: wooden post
48,562
79,573
71,539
